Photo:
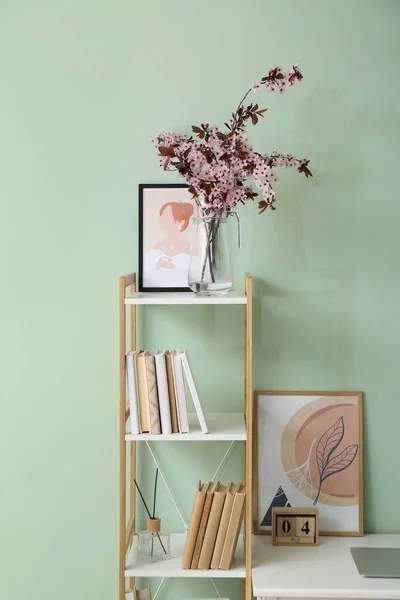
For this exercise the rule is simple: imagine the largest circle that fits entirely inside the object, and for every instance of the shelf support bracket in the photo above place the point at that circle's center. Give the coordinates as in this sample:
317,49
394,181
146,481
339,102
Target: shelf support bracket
186,525
159,588
221,464
215,587
175,502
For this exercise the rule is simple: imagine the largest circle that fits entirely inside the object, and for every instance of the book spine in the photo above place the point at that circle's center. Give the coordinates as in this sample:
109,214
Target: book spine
193,529
152,394
223,526
202,530
232,533
180,394
133,403
163,395
211,530
193,391
172,392
143,394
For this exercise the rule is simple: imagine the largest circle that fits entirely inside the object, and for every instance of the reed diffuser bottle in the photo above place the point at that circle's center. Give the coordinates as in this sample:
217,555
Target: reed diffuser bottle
153,544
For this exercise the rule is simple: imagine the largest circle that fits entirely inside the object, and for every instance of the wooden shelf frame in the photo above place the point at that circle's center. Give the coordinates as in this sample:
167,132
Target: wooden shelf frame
128,300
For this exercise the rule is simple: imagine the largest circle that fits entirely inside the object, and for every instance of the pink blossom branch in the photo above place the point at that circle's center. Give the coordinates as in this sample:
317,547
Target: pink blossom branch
217,165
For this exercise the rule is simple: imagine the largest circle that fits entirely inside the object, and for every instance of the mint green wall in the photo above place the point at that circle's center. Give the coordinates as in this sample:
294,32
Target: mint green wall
84,85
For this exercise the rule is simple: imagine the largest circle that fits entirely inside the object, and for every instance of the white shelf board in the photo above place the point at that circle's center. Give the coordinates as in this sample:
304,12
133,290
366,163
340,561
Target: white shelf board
184,298
325,571
136,567
221,426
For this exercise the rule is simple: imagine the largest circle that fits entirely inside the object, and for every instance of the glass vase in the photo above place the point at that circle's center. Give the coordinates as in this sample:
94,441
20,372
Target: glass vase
210,268
154,544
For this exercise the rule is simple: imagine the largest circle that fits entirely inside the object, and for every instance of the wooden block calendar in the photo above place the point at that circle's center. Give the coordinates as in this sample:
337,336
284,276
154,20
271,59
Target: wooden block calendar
295,527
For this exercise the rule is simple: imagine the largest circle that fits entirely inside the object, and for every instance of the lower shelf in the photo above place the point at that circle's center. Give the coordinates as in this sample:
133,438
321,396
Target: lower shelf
137,567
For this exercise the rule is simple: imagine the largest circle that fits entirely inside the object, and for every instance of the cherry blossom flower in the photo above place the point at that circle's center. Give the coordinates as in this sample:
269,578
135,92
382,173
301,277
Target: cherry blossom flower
221,167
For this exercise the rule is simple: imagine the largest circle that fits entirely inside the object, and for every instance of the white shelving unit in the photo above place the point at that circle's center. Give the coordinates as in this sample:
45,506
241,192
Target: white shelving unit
230,427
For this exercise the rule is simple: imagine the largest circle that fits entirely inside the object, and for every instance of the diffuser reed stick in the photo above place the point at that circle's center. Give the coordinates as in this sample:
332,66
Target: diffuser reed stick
154,507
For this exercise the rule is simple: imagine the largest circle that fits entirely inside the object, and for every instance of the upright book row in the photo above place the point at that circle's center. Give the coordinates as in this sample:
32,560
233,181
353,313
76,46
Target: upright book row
214,526
156,392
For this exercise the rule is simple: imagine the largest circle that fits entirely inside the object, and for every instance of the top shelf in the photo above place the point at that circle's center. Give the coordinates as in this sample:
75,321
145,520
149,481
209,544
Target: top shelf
184,298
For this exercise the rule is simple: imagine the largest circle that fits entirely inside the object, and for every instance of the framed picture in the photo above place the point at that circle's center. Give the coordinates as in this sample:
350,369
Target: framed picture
165,233
308,452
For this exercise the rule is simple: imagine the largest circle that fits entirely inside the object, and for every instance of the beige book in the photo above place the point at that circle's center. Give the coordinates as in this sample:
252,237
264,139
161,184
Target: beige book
194,525
223,525
203,523
180,392
144,406
172,392
155,426
232,533
213,522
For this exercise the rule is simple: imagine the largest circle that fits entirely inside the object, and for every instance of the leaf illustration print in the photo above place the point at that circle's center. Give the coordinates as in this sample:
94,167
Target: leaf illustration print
328,464
328,443
301,476
341,461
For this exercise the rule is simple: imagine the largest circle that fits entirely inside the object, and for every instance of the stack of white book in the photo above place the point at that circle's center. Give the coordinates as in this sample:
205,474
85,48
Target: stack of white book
156,392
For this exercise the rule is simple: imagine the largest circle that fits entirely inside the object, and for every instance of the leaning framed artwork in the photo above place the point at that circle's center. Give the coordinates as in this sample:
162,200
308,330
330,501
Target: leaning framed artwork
308,453
165,231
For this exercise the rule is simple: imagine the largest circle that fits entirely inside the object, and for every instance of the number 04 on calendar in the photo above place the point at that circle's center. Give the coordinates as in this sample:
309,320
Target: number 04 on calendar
295,527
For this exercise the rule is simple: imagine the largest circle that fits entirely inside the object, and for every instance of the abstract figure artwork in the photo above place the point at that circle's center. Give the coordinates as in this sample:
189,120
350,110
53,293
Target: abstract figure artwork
165,234
308,453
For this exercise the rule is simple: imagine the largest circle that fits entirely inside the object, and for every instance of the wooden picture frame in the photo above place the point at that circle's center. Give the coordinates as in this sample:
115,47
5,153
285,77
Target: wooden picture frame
164,236
329,423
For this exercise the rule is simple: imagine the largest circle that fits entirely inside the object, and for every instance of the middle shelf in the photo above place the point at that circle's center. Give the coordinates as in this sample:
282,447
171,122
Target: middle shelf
136,567
221,427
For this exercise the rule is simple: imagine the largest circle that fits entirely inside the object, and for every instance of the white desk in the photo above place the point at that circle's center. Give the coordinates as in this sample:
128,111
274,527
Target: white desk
327,571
